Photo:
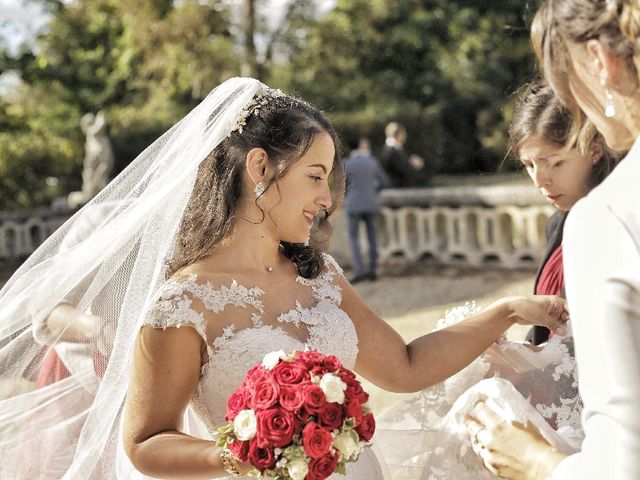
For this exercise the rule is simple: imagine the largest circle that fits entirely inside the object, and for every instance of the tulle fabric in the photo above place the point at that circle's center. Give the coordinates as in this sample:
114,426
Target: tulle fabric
61,401
423,435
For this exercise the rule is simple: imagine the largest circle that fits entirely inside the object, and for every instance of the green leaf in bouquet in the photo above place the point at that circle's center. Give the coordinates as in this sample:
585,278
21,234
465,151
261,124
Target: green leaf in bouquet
341,468
225,435
349,424
254,472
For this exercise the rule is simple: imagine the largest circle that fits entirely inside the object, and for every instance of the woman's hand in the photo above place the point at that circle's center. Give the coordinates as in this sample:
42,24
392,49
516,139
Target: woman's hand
511,449
548,311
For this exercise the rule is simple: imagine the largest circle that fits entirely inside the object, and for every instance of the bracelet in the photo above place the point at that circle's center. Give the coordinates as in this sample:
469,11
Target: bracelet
230,463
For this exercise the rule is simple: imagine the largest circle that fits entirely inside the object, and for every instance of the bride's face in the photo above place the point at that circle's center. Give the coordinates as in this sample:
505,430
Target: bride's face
294,200
561,176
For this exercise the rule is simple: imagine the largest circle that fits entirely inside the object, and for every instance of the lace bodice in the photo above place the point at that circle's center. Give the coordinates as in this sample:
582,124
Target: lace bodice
187,301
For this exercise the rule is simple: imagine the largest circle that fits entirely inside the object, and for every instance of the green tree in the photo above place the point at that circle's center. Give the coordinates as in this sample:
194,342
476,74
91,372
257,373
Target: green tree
144,63
444,68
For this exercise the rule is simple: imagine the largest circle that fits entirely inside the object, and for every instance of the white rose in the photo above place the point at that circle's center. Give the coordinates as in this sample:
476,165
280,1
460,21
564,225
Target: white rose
244,425
271,359
333,388
298,469
346,444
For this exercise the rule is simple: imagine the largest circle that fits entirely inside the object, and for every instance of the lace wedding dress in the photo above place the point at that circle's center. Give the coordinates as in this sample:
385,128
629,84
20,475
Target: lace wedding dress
187,301
423,436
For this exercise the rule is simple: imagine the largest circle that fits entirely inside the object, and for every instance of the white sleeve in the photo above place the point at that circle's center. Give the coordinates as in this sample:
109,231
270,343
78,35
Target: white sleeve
602,275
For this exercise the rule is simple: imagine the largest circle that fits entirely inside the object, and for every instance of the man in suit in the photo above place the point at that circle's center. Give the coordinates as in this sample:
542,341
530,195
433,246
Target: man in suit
404,170
364,179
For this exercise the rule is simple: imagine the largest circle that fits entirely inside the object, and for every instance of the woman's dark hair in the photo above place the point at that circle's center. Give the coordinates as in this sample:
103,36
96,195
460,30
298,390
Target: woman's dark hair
539,113
285,128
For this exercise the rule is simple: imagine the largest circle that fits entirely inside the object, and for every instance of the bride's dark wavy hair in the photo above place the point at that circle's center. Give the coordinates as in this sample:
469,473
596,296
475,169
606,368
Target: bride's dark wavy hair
285,128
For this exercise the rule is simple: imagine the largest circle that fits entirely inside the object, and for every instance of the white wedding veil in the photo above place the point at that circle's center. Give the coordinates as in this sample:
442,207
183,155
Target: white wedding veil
108,260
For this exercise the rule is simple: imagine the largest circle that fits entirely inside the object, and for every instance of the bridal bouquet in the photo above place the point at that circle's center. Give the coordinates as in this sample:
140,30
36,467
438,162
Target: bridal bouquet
298,416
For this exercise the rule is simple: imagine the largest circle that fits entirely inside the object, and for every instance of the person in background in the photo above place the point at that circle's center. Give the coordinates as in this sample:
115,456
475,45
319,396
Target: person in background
404,170
365,178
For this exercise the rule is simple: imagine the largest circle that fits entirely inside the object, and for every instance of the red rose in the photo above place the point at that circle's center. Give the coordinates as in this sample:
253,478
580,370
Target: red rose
303,415
354,390
331,363
264,394
316,440
367,427
289,373
275,427
330,416
321,468
313,396
354,410
239,449
235,403
291,398
261,458
255,375
346,375
311,358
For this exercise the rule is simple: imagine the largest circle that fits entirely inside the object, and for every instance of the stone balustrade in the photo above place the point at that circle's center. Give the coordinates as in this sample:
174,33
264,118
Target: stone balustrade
21,232
501,226
476,226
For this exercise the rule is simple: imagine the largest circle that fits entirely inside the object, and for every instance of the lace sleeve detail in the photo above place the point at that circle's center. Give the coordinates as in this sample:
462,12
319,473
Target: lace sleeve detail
174,308
331,264
325,286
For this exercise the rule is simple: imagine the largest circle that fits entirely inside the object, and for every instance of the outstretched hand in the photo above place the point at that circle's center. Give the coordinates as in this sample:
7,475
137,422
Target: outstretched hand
548,311
510,449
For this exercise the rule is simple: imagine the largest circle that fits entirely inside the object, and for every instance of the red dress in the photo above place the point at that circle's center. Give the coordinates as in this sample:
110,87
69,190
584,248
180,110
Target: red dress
551,280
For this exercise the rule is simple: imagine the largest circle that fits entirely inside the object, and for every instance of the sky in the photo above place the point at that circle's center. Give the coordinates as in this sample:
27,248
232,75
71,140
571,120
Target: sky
20,20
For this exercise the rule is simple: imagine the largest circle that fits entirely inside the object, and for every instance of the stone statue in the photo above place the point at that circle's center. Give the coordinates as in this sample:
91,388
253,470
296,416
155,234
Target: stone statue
98,159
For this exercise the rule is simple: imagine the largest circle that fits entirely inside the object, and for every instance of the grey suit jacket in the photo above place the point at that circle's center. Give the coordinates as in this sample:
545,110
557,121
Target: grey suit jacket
364,178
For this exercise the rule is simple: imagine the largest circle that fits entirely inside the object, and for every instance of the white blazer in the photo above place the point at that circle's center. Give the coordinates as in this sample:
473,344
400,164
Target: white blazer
602,274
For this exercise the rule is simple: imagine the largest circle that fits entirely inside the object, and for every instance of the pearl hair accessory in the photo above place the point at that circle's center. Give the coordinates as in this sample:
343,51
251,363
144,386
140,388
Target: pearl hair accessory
259,101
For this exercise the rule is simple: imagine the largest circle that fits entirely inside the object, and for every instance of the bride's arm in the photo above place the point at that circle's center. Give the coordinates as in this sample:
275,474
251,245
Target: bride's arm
385,359
166,369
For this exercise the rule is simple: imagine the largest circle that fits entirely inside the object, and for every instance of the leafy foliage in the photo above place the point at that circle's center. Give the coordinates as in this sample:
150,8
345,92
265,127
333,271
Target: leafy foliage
445,69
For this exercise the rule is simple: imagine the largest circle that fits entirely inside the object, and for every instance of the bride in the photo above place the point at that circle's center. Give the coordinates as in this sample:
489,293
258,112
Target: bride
217,227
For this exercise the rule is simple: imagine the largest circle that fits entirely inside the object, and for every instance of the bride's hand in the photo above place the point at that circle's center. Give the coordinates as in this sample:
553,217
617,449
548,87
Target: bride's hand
546,310
511,449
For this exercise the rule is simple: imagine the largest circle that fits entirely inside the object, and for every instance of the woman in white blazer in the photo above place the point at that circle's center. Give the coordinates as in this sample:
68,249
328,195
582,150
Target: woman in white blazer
590,53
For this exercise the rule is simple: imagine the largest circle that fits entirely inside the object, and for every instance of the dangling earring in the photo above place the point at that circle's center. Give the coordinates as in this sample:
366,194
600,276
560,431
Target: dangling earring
609,108
306,243
259,189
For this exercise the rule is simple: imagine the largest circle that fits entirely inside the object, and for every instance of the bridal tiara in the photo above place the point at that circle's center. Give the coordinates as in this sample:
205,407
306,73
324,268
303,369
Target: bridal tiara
258,102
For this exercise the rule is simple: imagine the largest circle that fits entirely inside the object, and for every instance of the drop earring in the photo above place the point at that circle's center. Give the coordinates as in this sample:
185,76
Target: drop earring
609,108
259,189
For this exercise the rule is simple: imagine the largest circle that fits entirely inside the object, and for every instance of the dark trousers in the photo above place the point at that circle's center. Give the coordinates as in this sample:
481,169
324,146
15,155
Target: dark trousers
369,220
